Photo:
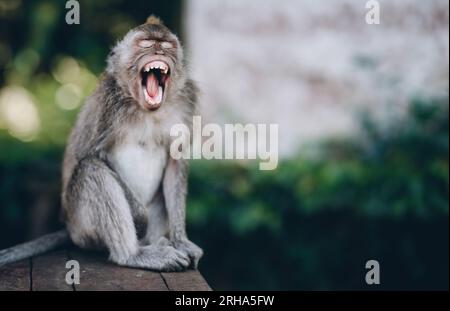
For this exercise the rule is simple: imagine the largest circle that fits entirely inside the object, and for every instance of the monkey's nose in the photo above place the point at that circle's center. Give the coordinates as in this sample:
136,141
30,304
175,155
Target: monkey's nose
159,52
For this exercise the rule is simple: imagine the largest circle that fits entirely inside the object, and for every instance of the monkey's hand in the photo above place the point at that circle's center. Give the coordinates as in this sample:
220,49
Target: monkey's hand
189,248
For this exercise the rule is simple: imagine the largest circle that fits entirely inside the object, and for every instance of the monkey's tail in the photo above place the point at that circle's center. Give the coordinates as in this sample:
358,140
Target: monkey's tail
34,247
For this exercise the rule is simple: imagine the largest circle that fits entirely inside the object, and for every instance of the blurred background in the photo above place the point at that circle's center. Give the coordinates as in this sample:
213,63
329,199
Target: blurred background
363,132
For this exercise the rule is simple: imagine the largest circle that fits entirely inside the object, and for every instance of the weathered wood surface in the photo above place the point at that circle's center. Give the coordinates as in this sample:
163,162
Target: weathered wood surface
186,281
16,276
48,273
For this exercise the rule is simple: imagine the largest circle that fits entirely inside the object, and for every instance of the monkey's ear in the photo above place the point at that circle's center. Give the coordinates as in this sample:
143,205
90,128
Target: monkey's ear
153,20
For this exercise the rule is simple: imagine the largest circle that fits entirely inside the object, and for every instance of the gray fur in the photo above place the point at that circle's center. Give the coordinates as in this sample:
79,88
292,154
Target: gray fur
103,204
115,140
32,248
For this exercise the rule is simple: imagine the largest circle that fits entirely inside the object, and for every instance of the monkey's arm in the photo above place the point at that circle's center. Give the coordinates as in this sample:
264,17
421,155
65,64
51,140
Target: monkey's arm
175,189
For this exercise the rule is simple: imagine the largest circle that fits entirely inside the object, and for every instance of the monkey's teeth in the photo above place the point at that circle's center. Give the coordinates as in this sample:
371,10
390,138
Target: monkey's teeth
157,65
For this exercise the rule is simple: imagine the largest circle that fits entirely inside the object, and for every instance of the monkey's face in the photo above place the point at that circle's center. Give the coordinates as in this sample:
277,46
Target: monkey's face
156,61
151,58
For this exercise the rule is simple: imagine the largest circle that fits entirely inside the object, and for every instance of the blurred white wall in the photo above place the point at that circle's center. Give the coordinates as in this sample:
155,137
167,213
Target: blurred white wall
310,65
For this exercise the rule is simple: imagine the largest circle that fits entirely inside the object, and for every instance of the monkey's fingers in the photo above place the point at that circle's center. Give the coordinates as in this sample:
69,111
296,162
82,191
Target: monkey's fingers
191,250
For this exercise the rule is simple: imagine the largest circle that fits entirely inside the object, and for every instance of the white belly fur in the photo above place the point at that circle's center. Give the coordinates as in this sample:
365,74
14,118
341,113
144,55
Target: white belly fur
140,166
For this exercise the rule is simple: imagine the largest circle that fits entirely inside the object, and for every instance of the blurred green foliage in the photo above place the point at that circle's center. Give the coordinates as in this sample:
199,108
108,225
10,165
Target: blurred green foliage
314,221
310,224
48,67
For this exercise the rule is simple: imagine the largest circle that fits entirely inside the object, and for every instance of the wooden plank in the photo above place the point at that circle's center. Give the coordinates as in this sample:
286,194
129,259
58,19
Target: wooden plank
49,272
98,274
15,276
190,280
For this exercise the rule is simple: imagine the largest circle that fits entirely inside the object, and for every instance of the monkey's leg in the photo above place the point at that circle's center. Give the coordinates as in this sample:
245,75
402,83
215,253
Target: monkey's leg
99,214
175,189
157,224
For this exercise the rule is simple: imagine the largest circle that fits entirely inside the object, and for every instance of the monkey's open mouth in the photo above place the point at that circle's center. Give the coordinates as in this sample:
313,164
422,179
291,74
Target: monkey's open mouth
155,76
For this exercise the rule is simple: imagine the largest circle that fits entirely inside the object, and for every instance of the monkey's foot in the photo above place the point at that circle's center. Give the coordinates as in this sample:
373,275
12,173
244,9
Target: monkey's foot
159,258
161,241
193,251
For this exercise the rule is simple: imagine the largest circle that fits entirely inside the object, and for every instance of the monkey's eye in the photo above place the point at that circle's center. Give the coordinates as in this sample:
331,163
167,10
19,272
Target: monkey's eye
166,45
146,43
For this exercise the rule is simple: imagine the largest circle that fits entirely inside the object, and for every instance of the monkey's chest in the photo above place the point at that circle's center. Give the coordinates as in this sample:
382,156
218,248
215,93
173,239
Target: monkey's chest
141,167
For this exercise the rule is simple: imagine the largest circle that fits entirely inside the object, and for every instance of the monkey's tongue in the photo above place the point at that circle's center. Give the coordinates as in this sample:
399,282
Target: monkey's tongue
152,85
153,91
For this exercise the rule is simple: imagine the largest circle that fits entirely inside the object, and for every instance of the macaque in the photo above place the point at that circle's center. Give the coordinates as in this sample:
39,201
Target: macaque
122,191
